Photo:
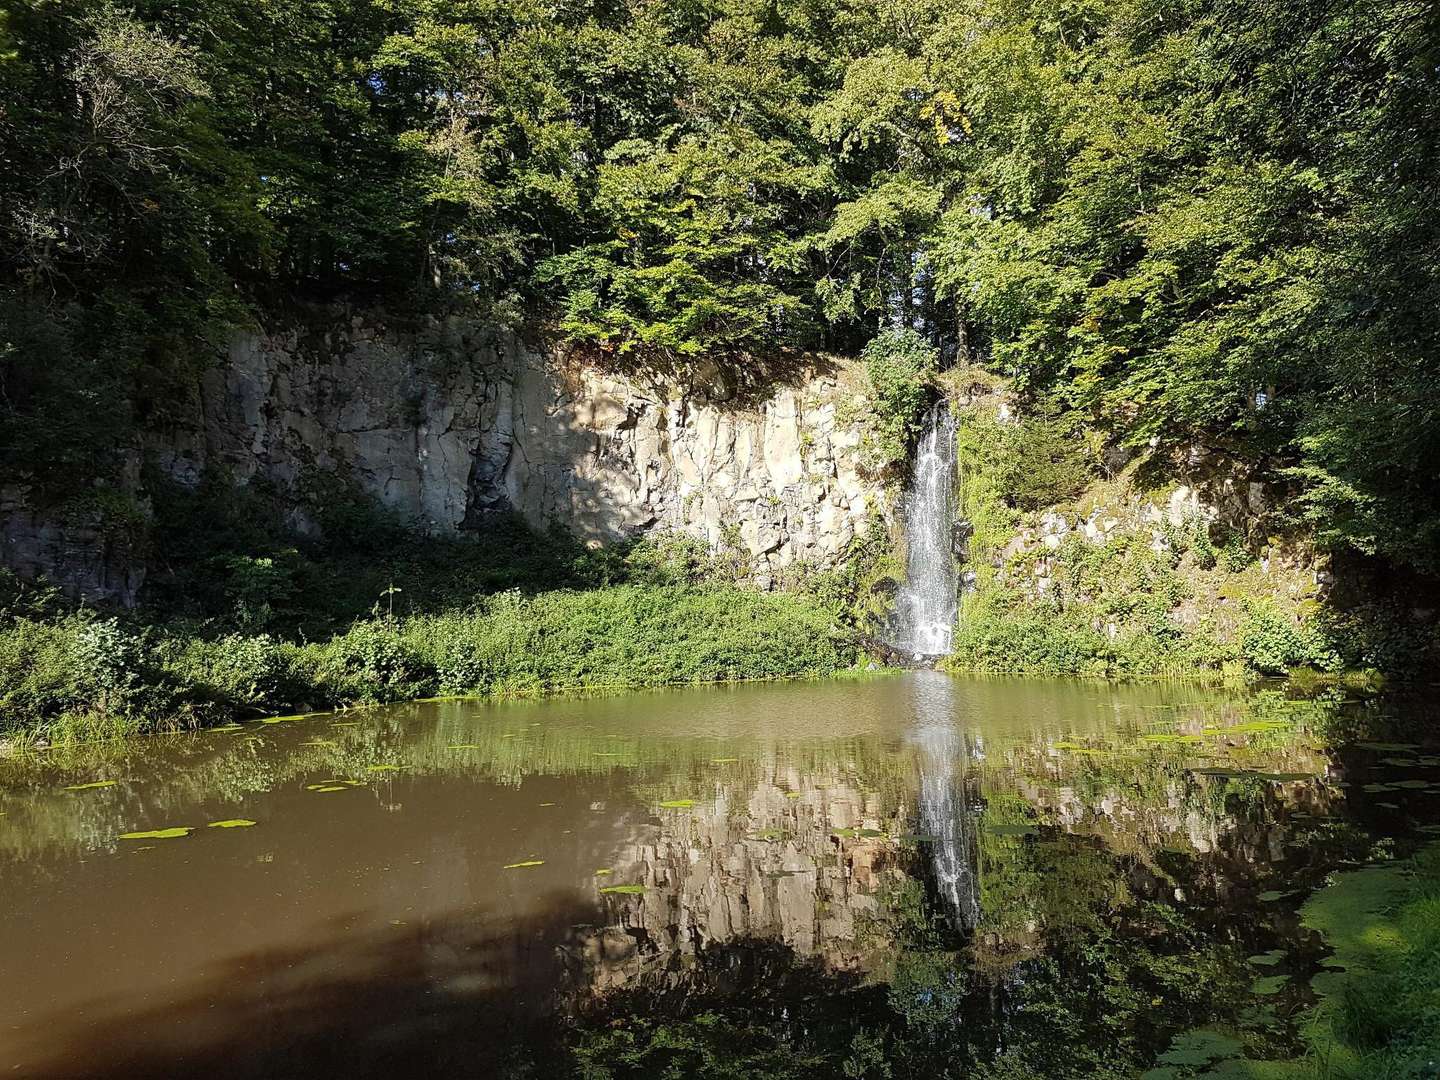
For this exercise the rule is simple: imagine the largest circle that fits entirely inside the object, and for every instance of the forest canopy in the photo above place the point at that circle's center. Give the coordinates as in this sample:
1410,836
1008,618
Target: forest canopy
1183,221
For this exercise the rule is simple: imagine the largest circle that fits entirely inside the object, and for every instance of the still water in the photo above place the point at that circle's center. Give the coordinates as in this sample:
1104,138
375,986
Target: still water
918,874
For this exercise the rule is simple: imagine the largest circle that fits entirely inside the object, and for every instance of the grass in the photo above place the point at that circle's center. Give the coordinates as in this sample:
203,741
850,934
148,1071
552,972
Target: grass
83,676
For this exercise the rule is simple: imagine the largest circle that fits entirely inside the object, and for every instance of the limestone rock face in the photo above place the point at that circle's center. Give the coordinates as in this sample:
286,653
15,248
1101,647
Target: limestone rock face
78,554
449,421
452,422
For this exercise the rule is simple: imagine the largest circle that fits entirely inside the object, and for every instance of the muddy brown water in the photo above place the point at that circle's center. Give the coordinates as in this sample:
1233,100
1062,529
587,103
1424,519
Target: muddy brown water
446,888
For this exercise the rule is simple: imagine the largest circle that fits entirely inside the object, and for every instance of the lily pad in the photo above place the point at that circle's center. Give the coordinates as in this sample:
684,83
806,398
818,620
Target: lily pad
285,719
603,871
159,834
92,785
792,794
678,804
522,865
1376,788
327,787
1267,959
1412,785
232,823
624,890
1269,984
1269,896
383,768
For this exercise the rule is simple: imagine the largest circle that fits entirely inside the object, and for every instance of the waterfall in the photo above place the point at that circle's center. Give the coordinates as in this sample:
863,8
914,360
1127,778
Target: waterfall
925,608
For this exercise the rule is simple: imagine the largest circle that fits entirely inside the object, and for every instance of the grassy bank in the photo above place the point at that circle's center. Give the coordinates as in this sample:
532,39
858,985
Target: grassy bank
240,617
83,674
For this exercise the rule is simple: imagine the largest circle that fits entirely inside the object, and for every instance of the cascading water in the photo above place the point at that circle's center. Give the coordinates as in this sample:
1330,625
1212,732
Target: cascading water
925,608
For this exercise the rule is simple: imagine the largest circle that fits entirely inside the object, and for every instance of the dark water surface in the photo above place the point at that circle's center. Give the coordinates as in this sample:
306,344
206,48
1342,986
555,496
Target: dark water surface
916,873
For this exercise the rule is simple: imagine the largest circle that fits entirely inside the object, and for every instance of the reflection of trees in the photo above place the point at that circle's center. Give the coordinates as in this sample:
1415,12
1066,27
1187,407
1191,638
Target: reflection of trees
1085,868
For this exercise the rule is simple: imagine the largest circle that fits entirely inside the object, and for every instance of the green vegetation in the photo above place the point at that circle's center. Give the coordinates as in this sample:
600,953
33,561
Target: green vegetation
1144,592
899,365
82,675
1198,223
1379,1008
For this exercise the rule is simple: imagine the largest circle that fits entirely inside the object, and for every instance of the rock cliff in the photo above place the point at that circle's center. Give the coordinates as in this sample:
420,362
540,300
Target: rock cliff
448,421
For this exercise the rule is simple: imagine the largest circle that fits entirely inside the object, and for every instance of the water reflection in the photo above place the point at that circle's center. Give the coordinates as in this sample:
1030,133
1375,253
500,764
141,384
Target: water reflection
946,802
945,867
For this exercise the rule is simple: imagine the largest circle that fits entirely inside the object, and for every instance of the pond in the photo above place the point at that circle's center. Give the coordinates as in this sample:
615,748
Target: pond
912,875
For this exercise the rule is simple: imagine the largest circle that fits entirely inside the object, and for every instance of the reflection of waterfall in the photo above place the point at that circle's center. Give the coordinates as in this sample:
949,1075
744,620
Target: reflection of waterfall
925,607
945,812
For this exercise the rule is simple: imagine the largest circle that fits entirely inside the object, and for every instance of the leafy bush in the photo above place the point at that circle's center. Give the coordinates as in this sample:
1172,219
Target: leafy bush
59,676
899,364
1033,462
1273,642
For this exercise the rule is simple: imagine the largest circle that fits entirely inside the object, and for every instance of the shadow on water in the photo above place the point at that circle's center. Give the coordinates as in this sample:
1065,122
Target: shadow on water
442,998
447,998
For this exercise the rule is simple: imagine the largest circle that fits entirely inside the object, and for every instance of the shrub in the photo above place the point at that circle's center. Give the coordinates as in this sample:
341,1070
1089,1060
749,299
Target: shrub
370,663
1272,642
1033,462
54,675
899,364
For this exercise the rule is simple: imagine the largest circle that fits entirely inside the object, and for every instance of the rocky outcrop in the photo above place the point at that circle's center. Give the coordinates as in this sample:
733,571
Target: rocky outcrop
446,422
761,863
452,422
81,554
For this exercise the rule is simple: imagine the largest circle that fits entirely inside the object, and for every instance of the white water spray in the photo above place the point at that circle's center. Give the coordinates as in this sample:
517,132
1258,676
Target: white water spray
925,608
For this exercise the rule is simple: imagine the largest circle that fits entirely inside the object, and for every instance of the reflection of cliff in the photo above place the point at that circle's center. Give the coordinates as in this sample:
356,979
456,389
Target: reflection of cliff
759,863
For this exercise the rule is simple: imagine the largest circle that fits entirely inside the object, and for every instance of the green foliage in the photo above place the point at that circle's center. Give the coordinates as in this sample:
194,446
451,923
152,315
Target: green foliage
1379,1013
1031,462
82,673
1208,228
899,365
1273,642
